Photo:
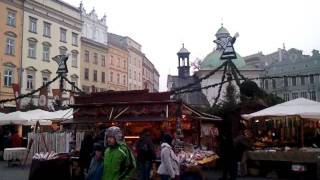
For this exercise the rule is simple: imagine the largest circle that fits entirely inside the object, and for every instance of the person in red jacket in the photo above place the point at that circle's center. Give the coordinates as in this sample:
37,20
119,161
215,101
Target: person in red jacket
15,139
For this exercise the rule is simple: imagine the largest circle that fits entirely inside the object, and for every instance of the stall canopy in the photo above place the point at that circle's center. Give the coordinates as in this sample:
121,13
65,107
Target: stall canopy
31,117
302,107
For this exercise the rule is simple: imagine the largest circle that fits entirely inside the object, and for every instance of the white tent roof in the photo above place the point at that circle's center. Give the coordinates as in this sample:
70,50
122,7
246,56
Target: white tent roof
17,117
300,107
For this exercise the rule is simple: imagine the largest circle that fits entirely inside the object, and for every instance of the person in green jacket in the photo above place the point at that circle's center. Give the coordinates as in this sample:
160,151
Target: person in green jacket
119,162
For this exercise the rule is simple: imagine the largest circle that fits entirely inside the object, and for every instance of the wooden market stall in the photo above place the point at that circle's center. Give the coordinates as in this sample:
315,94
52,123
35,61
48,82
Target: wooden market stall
135,111
286,138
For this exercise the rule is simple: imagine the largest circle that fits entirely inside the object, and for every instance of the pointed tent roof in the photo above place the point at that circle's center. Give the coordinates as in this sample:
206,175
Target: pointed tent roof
302,107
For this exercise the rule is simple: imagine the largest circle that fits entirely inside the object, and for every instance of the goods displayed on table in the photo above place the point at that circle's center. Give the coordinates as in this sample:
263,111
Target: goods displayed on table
10,154
197,157
45,156
58,142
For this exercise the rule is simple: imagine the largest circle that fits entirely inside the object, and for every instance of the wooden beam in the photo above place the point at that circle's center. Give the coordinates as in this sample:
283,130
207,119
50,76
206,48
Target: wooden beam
124,110
110,116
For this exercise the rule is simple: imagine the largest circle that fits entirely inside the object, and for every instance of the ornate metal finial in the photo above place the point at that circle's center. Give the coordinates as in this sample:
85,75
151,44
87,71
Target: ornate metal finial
81,4
221,22
227,46
62,64
182,45
284,47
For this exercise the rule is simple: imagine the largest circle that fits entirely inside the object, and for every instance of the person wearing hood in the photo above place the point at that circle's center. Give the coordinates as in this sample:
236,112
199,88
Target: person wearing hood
119,162
96,166
169,167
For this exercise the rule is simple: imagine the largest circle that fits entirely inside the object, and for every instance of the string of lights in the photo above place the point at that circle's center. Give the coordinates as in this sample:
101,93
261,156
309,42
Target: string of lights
222,79
73,86
30,93
200,79
248,79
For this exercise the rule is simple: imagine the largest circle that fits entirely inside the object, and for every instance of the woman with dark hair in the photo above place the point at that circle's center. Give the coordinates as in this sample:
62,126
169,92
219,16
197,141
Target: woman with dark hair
86,151
16,140
169,167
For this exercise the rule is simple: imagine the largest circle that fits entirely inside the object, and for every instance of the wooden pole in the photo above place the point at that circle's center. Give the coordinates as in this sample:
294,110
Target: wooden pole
302,132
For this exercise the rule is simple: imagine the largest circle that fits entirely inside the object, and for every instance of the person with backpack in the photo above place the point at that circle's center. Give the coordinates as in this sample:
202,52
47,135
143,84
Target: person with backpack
145,154
169,167
119,162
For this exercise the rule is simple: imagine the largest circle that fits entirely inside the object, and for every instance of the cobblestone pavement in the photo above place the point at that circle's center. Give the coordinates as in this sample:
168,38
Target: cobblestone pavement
22,173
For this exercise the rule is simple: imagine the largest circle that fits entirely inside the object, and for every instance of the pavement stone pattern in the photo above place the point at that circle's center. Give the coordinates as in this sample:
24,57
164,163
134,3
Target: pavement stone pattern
22,173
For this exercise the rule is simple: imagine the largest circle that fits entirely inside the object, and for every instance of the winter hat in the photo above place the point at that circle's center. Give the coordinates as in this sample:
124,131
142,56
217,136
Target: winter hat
114,132
98,146
167,139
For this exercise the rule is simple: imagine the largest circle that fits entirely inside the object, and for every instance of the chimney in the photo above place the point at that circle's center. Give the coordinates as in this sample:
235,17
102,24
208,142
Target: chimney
315,53
280,54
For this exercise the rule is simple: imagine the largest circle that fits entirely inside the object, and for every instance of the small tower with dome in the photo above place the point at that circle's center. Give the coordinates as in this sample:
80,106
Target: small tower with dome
184,63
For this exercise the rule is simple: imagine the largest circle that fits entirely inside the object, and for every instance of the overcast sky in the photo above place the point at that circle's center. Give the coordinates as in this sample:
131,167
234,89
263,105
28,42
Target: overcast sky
161,26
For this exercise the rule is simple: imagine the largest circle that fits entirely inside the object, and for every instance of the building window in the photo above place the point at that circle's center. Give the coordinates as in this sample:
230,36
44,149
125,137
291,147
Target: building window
63,35
103,77
95,75
311,79
46,52
75,39
285,81
8,77
134,75
10,46
74,59
266,84
63,50
86,56
32,49
11,18
86,89
294,81
86,73
111,76
95,58
313,95
273,83
103,60
130,74
139,77
32,25
30,80
74,81
45,79
118,64
303,80
304,94
46,29
124,64
124,79
286,96
295,95
118,78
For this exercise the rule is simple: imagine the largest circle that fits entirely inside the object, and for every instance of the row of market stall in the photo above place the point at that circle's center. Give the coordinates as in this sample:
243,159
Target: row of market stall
287,139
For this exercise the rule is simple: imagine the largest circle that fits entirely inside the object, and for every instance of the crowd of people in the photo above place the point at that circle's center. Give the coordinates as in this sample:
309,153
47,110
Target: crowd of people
112,159
9,138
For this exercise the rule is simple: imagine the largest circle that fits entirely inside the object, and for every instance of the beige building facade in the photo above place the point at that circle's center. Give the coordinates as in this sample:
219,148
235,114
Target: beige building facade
93,66
118,68
10,47
50,28
135,65
147,74
94,48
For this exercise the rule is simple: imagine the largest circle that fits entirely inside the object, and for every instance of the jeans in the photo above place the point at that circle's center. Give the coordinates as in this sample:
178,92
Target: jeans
165,177
145,169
